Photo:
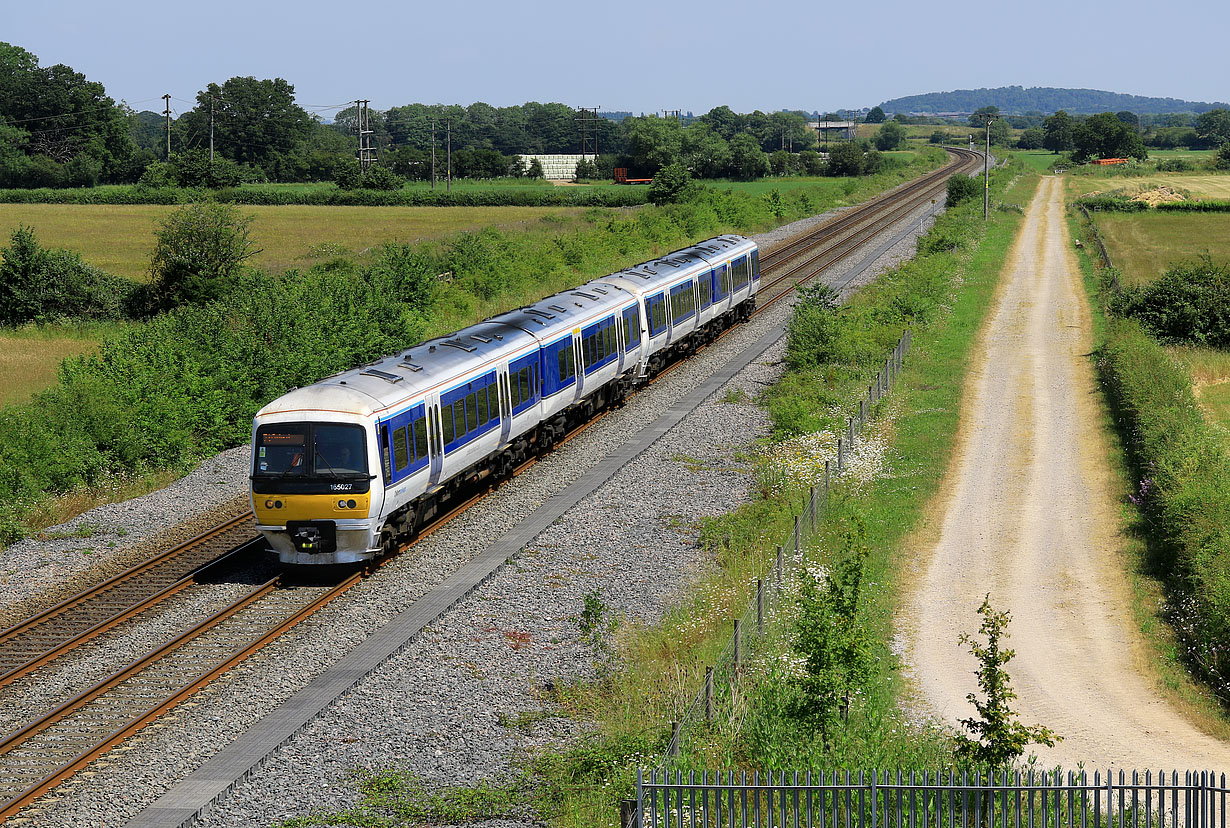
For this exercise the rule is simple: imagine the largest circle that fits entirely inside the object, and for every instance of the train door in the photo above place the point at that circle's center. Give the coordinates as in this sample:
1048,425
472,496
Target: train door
435,440
505,405
577,352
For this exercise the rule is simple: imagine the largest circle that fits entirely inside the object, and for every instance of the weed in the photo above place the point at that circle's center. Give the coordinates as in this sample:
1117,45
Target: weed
595,622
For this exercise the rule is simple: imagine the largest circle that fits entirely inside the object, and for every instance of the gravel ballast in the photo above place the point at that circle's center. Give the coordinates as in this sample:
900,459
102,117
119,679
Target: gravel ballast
436,707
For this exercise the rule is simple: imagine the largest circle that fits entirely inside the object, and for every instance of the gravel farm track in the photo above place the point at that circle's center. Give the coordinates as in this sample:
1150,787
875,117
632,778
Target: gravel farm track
1030,514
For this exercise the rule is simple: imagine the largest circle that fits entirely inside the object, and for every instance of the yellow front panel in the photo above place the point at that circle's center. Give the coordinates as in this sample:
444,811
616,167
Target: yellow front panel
310,507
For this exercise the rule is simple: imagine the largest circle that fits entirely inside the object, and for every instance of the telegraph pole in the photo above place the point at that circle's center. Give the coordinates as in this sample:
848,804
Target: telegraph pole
363,116
433,153
986,178
211,130
448,181
167,98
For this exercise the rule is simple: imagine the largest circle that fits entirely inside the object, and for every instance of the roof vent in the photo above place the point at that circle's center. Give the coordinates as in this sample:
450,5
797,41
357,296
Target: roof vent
558,308
584,295
542,313
480,338
457,343
405,363
384,375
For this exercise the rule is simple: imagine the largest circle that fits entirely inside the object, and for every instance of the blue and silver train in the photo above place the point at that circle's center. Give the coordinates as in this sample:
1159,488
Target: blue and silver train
357,463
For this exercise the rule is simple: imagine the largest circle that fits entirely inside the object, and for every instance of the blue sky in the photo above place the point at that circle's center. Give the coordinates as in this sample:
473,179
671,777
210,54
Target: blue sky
638,56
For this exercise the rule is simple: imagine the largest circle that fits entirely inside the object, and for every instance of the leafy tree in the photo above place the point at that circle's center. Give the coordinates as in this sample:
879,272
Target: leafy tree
722,121
1223,157
875,116
890,136
377,177
348,175
939,137
845,158
999,133
586,170
706,154
534,170
1058,133
996,738
748,161
157,174
1032,138
1129,118
654,143
811,162
199,253
669,184
1105,136
1213,127
781,163
194,169
256,122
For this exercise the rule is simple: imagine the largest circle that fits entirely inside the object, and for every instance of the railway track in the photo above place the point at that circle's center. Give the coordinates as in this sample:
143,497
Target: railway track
50,748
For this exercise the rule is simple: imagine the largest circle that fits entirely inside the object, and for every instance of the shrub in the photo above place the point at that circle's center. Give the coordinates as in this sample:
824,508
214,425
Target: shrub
194,169
845,158
198,254
1175,165
534,170
1223,157
1190,302
382,178
587,170
669,184
157,174
40,285
961,188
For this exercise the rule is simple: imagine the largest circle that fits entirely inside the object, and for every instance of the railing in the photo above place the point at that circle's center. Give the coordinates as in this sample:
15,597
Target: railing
721,678
1003,799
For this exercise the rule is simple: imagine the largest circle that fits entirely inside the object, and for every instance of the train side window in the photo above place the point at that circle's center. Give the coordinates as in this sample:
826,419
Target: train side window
420,438
384,452
562,366
471,421
484,412
400,460
527,387
632,334
446,419
570,363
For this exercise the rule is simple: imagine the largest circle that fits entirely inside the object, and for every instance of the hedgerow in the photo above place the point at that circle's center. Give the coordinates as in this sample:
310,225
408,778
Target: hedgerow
1183,490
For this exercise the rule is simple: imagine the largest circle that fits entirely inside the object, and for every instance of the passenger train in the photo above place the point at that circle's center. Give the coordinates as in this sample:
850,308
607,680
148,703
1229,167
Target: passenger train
355,464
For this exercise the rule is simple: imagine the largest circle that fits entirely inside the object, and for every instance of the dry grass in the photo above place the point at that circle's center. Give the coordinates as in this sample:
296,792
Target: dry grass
1210,370
30,357
120,238
1197,185
1144,245
53,511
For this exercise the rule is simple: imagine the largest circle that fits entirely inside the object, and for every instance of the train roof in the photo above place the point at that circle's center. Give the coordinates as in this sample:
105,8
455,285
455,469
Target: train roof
561,312
378,385
649,276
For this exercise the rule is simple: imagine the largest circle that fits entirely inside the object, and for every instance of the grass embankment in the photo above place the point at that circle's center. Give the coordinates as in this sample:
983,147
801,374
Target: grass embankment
187,383
1143,245
944,293
31,356
1197,186
1167,410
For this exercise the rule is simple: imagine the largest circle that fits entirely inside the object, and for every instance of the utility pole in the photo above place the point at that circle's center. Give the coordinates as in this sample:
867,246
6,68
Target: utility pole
167,99
367,153
433,153
986,178
589,131
448,181
211,130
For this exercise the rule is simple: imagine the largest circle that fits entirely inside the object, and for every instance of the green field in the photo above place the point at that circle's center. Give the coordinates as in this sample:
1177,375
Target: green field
120,238
1144,245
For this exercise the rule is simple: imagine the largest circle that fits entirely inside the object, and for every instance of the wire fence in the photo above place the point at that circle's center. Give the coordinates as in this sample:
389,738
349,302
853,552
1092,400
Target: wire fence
880,799
721,679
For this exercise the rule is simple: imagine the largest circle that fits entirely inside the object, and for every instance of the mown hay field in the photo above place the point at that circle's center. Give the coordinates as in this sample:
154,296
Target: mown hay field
1144,245
1210,370
120,238
1197,185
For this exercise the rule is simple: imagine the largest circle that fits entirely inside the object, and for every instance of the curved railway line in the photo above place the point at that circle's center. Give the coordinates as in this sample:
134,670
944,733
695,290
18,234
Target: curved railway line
52,745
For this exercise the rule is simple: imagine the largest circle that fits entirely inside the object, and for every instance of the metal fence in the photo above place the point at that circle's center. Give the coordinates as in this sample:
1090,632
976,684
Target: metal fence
879,799
721,678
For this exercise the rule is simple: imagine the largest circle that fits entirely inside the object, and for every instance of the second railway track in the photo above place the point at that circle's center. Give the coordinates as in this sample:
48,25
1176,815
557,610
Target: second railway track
40,753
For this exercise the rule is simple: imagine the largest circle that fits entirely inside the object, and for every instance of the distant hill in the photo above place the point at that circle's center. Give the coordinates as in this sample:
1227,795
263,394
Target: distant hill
1017,100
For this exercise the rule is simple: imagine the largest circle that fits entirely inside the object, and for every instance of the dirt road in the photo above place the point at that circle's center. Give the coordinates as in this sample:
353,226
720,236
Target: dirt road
1030,515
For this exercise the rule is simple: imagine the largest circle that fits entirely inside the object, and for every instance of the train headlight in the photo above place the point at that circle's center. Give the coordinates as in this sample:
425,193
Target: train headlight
341,504
277,504
268,504
350,504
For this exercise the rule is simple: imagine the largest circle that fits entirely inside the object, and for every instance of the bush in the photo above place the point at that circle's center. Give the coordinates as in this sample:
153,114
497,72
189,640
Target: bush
1223,157
199,253
534,170
1189,303
587,170
157,174
671,183
194,169
382,178
40,285
1175,165
962,188
845,158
